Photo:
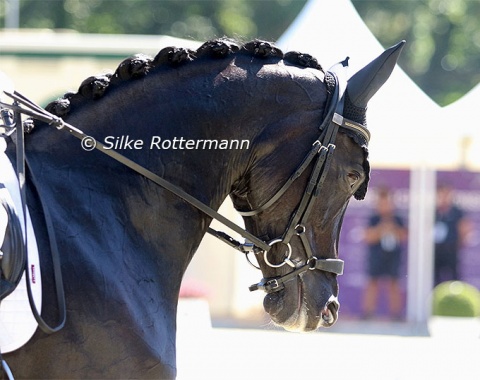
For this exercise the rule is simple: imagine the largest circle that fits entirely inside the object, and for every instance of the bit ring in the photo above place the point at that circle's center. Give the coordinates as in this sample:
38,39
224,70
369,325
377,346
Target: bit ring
286,260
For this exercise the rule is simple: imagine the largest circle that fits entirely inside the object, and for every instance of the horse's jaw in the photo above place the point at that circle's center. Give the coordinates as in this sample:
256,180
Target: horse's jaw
293,310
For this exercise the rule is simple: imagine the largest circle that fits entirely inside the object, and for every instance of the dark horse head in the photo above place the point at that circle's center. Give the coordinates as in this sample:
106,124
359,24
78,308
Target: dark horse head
126,242
297,227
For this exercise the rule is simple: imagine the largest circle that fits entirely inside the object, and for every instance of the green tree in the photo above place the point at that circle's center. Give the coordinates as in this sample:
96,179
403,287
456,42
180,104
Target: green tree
443,36
198,20
442,54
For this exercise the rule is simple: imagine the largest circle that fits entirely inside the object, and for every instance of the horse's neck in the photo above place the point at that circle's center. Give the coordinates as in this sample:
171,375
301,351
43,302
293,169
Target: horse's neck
88,191
227,103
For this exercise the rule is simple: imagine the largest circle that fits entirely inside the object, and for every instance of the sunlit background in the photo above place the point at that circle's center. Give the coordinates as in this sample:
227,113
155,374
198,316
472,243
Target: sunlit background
442,56
424,122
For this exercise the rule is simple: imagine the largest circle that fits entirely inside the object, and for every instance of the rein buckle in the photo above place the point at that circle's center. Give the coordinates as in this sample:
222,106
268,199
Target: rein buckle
268,285
7,122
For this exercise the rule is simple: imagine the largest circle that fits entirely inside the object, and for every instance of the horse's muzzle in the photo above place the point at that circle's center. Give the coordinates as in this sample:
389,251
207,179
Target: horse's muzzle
298,314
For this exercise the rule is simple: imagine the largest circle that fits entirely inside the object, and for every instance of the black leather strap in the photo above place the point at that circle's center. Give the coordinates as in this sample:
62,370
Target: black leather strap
57,271
307,195
39,113
352,126
301,168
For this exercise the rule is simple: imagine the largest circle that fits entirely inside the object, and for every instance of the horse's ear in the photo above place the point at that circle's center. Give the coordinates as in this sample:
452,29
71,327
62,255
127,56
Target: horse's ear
367,81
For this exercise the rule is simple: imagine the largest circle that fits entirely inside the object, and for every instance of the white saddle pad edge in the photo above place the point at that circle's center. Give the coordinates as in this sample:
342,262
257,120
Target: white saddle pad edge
17,323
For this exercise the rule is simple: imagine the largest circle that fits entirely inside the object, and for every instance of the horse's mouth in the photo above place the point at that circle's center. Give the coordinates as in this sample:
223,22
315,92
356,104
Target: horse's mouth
302,316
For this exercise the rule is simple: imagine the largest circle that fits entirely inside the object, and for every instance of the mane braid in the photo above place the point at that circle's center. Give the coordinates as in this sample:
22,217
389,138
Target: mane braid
305,60
140,65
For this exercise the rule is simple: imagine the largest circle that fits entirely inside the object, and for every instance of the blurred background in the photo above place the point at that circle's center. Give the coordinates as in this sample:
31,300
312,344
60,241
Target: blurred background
443,35
425,124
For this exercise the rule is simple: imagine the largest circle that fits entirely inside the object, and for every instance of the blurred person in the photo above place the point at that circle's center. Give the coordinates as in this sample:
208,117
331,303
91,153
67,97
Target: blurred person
384,236
450,233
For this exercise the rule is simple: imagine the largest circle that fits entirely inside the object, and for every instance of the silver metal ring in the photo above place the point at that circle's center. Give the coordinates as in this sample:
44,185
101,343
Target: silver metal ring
300,229
311,261
285,260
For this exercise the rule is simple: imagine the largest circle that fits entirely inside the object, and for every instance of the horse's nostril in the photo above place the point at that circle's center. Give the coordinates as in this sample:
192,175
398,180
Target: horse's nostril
333,305
329,313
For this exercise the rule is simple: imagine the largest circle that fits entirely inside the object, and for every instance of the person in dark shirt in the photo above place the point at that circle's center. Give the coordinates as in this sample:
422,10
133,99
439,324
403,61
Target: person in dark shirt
384,237
450,231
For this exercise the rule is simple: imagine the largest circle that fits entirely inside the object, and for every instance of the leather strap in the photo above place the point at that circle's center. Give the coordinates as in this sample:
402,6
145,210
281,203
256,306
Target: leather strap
38,113
352,125
301,168
57,271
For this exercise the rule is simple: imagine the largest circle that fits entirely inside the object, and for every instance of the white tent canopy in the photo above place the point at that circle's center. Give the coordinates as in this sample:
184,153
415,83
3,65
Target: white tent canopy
408,128
458,120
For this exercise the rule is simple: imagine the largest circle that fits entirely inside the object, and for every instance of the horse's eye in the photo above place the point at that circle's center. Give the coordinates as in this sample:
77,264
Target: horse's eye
353,178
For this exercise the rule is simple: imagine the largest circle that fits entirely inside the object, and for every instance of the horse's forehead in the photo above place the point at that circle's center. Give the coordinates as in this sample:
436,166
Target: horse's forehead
349,150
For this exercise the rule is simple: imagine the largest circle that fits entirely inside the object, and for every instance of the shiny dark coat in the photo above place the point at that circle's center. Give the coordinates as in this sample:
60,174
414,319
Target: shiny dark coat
125,242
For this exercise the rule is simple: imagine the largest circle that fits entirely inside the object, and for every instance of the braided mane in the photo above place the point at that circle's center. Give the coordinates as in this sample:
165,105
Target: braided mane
141,65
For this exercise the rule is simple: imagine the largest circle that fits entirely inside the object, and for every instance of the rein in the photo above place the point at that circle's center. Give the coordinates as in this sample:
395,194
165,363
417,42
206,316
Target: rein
322,149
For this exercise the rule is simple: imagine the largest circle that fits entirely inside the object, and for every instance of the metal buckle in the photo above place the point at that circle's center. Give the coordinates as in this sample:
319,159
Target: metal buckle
337,119
319,143
247,246
268,285
273,284
7,122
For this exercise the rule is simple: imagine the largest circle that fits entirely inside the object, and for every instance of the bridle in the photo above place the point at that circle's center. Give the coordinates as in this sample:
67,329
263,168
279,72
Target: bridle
320,153
322,149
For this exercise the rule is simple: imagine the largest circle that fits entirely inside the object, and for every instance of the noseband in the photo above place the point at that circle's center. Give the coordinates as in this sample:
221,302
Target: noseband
322,150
